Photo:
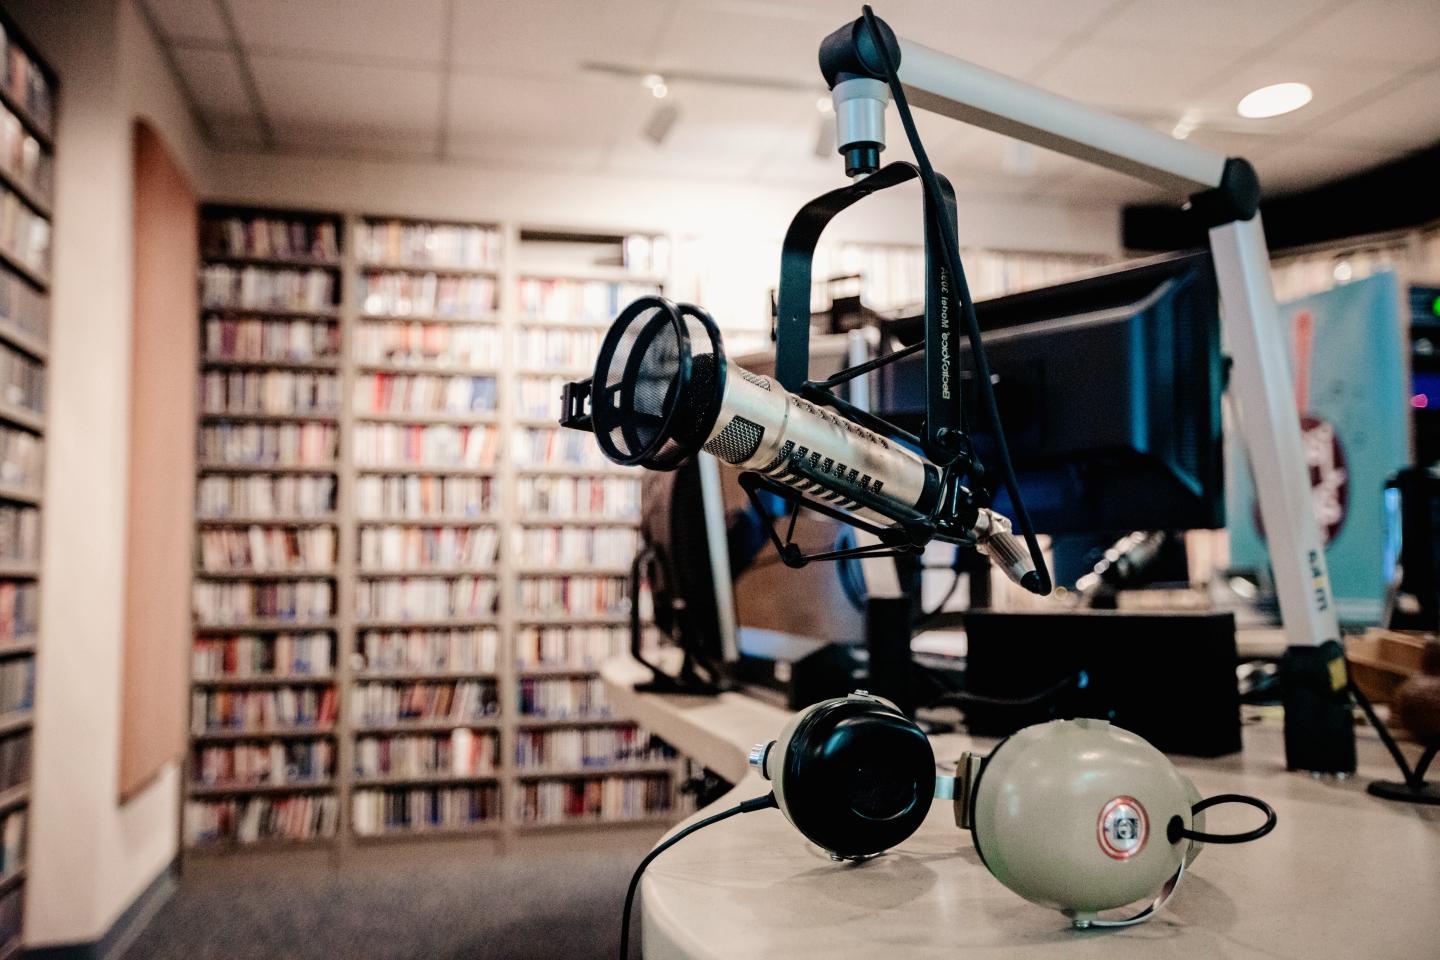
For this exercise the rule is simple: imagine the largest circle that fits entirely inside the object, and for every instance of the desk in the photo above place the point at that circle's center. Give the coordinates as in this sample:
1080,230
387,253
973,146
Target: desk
1343,875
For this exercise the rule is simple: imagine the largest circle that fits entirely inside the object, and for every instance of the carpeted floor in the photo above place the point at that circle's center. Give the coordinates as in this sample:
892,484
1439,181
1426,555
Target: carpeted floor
557,898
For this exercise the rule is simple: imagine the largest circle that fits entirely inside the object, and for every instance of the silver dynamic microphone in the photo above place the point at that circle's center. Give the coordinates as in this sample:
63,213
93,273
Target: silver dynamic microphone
663,390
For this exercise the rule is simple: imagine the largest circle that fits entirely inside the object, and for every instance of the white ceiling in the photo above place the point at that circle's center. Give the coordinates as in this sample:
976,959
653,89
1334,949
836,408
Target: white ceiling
500,82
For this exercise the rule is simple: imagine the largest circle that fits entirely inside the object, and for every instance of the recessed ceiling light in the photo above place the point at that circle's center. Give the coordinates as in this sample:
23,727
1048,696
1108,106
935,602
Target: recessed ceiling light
825,105
1274,100
659,91
652,80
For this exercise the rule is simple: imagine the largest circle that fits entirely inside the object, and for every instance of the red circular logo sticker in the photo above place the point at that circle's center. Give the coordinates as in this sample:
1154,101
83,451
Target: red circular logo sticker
1123,828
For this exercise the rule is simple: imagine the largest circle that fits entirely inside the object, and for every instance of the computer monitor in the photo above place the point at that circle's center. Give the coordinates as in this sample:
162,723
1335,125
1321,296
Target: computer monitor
1109,390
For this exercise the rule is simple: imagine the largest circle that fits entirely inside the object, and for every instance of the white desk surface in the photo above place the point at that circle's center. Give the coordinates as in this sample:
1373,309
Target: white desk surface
1343,875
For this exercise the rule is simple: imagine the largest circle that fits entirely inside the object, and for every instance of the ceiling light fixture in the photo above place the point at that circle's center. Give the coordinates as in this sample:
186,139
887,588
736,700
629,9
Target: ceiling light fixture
825,105
659,90
1274,100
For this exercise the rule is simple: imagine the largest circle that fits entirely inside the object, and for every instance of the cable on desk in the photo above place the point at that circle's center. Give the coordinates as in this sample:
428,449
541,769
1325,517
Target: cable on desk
747,806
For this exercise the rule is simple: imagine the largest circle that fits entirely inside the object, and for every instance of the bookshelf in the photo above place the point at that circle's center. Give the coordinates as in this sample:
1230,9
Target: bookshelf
28,91
362,611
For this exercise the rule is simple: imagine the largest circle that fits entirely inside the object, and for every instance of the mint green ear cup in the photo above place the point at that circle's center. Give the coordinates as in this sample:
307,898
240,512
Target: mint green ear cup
1075,815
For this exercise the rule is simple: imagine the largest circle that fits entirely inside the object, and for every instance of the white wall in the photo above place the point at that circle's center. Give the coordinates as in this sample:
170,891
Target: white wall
89,856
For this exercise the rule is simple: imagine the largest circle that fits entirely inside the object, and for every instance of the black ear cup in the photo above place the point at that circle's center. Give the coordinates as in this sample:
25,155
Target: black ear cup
858,777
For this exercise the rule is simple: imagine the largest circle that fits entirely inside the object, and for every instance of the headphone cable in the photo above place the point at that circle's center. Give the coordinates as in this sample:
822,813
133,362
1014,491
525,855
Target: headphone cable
747,806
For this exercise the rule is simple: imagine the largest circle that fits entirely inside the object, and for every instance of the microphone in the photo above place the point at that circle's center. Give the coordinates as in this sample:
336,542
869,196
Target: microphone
663,391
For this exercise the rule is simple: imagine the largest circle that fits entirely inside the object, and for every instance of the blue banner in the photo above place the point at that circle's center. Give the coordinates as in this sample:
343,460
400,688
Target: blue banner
1348,364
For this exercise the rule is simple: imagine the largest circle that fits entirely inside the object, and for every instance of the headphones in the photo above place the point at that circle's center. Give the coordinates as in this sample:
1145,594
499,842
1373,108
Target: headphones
1077,815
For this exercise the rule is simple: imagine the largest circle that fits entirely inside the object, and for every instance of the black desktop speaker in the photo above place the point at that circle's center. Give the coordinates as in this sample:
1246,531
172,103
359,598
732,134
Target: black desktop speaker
1169,678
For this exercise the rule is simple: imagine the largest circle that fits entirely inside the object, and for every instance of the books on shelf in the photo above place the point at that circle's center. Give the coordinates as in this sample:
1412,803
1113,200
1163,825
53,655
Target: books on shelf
423,497
258,497
21,458
270,237
557,447
403,549
256,340
12,913
576,546
376,812
598,747
414,342
603,498
266,288
297,601
539,397
15,760
276,392
541,349
460,753
19,611
12,841
268,550
248,820
261,711
259,655
17,684
430,445
24,234
461,650
462,246
19,534
395,293
374,704
269,444
277,763
577,301
426,598
24,308
643,253
424,394
574,596
25,82
565,698
22,380
575,647
617,798
23,160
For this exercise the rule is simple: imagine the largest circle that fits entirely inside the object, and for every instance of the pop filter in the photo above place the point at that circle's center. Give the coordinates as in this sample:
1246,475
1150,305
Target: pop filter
659,381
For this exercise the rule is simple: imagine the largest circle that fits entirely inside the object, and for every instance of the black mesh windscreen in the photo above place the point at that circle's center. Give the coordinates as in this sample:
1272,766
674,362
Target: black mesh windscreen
659,383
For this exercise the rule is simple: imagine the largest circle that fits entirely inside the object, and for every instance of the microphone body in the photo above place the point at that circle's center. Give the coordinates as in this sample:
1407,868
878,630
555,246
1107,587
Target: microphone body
765,428
663,390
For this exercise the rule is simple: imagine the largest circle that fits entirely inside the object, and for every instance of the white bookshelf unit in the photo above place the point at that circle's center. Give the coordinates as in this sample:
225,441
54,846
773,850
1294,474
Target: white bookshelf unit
451,565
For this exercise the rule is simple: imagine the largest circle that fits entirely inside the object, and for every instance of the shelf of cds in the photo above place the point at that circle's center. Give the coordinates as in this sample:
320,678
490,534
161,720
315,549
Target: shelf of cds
27,123
406,575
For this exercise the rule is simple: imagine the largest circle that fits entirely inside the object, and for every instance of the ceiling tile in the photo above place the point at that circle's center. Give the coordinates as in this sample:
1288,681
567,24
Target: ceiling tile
1203,25
1146,77
710,40
213,76
377,29
1307,164
1396,32
1407,117
552,37
1334,86
181,20
235,132
577,110
943,24
373,98
336,140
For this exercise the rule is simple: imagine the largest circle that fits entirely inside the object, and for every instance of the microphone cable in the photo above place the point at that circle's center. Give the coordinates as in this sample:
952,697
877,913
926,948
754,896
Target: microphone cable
747,806
967,306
